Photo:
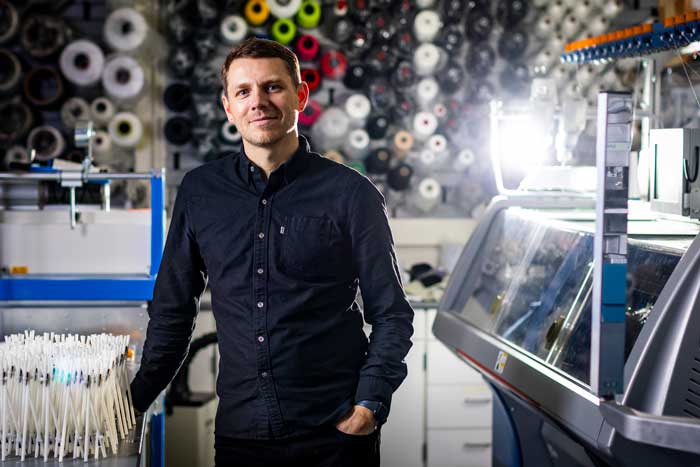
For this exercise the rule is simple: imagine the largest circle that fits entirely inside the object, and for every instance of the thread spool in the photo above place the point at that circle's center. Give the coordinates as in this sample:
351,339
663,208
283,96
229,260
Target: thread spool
583,8
310,114
451,39
9,21
463,160
381,60
207,113
179,29
404,75
42,35
405,107
206,146
340,30
480,60
123,79
335,156
232,30
283,8
427,195
333,64
570,26
283,30
11,71
358,108
612,8
377,126
256,12
312,78
181,61
307,47
544,27
437,144
360,10
43,86
82,63
427,92
331,129
598,25
178,130
357,144
177,97
205,44
73,110
556,11
510,13
404,43
451,78
402,143
359,43
378,161
17,155
355,76
381,96
101,146
126,30
229,134
102,110
382,30
309,14
515,79
125,129
426,59
207,12
47,141
424,125
17,119
426,25
452,10
556,42
513,45
478,25
399,178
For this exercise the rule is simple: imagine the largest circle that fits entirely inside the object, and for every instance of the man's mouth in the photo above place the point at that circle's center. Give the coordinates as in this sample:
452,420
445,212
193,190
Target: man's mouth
263,119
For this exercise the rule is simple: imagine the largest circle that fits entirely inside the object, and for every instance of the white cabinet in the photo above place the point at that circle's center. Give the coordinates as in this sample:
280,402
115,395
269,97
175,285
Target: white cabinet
441,414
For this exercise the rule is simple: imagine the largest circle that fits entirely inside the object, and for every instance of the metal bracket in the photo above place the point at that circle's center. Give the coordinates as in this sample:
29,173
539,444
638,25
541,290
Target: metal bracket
681,433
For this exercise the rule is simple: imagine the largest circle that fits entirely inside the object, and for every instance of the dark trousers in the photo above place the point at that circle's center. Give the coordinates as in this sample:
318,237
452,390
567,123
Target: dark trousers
327,447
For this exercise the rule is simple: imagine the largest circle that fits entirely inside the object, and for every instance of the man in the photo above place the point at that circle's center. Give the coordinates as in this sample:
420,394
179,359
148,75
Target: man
284,236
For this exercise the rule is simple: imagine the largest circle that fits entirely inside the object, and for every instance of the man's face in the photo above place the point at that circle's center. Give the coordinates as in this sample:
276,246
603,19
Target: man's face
262,101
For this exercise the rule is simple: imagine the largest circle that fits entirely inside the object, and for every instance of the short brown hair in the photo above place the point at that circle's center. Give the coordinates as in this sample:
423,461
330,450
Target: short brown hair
254,47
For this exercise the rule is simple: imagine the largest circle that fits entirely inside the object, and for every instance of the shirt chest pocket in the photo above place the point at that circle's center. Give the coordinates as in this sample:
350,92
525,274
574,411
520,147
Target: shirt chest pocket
307,248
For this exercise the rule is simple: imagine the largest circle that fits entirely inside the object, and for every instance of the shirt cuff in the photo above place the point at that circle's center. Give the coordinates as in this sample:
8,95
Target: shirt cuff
374,389
142,393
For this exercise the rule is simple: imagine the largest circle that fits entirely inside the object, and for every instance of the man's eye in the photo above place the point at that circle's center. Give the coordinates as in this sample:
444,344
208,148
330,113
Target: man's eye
273,87
242,92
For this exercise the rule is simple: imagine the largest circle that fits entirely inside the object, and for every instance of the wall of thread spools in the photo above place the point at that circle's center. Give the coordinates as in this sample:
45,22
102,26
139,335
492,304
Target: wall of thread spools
399,88
64,61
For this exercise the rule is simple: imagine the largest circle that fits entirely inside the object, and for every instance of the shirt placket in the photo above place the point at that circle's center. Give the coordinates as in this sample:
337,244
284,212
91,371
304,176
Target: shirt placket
261,307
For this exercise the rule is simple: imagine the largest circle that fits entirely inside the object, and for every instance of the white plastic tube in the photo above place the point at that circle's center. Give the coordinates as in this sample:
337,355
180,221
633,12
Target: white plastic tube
82,63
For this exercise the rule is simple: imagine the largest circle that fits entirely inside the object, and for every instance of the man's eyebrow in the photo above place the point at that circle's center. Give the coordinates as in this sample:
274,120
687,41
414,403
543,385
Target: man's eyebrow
272,80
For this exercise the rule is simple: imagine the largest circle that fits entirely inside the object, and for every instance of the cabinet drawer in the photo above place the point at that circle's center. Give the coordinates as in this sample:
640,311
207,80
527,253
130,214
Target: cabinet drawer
446,367
459,406
459,448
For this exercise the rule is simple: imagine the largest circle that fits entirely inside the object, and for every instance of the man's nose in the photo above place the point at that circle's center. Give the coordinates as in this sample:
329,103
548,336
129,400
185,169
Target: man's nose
259,99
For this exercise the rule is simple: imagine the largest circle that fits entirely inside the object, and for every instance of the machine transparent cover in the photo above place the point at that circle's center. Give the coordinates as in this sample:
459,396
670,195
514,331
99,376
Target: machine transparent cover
531,284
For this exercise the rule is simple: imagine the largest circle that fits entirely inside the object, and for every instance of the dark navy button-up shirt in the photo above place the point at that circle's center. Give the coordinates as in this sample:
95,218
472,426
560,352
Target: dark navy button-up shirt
284,259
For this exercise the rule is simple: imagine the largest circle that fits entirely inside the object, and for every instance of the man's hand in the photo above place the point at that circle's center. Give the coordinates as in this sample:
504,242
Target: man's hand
358,421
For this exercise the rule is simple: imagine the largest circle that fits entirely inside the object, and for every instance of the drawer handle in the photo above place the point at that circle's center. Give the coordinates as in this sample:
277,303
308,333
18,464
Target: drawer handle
472,445
477,400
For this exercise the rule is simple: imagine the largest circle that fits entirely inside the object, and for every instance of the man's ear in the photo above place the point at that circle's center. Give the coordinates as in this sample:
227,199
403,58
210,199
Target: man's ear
227,106
302,96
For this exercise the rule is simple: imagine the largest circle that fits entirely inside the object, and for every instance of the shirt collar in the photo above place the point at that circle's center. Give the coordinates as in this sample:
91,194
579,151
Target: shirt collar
247,170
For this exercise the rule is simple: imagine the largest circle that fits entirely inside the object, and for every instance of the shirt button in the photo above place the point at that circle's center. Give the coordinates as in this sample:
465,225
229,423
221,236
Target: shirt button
261,339
264,202
264,374
261,235
252,169
260,270
261,304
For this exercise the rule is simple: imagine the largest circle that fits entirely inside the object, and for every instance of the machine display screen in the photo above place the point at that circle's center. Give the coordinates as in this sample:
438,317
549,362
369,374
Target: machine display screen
531,284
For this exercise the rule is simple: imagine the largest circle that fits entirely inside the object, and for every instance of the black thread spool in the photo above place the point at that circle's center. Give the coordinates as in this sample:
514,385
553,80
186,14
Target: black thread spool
356,76
480,60
378,161
451,78
399,178
478,25
511,12
404,76
513,44
181,61
178,130
377,126
177,97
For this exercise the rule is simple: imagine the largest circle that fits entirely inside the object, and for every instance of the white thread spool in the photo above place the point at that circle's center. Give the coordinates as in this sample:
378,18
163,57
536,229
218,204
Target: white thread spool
230,134
437,144
424,125
283,8
17,154
544,27
426,25
126,30
331,129
125,130
47,141
427,91
233,29
421,4
82,63
612,8
426,59
427,195
402,143
598,25
357,144
583,8
74,109
101,147
123,79
463,160
102,111
556,42
570,26
556,11
358,108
